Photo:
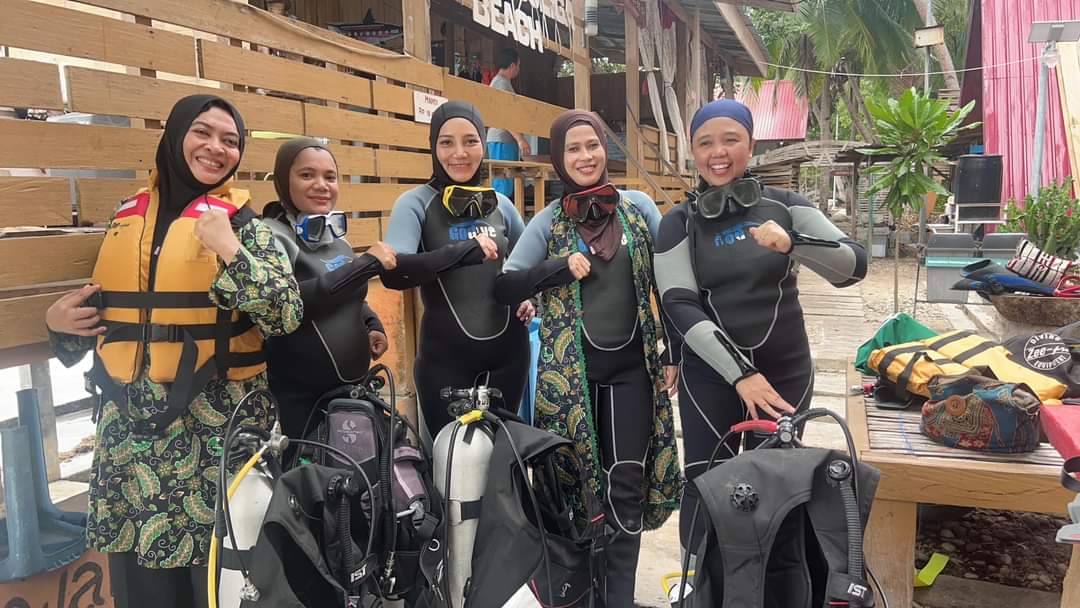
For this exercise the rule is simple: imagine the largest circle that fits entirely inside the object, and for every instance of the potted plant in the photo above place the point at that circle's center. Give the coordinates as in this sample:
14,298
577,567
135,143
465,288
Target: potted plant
912,129
1051,222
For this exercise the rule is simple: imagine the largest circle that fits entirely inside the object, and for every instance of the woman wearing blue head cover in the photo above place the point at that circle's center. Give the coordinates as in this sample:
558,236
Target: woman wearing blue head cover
726,263
340,333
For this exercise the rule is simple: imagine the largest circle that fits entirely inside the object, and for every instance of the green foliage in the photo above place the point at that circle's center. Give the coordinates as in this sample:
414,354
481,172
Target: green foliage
1052,222
911,129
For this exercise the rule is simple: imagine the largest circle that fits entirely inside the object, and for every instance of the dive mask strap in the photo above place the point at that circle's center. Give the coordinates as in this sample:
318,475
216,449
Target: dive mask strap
469,201
593,203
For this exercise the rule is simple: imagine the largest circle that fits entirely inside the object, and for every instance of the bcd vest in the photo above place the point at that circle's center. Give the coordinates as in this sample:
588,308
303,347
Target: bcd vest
340,333
189,338
782,531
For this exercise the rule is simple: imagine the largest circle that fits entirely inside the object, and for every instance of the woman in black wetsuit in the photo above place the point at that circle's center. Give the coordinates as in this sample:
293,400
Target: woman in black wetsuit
726,264
451,237
340,333
600,381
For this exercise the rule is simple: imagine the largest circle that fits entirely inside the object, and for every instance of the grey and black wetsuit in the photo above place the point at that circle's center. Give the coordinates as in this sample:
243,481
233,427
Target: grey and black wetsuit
331,346
736,305
619,383
464,331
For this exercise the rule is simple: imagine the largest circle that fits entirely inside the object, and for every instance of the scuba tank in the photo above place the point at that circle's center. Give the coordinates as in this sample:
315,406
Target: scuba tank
248,507
507,538
461,456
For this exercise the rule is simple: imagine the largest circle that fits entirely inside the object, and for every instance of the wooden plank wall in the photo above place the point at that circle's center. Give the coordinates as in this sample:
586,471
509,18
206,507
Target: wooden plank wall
285,77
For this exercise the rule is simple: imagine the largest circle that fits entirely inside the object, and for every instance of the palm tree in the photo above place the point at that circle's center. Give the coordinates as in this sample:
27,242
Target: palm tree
839,38
941,51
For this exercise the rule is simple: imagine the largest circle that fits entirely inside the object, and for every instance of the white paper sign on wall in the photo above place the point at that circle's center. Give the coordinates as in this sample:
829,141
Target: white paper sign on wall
424,105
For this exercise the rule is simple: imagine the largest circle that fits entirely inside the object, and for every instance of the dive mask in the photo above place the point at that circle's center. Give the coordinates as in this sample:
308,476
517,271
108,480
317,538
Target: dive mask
593,203
469,201
742,193
312,227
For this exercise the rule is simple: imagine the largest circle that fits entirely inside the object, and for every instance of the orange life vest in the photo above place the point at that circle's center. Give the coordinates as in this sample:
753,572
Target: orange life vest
190,339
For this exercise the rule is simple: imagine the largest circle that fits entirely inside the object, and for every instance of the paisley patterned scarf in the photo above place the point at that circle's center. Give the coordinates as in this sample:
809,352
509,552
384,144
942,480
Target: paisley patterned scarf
563,402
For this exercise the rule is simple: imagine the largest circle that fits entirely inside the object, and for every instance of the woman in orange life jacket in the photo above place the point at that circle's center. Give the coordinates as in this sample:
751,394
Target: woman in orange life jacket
340,334
184,267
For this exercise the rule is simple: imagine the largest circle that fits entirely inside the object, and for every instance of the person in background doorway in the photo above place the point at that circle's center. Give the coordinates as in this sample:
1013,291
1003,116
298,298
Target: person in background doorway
504,145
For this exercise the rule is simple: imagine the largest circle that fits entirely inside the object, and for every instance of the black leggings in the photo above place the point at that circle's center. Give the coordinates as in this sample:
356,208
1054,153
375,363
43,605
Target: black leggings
134,586
622,398
709,406
447,357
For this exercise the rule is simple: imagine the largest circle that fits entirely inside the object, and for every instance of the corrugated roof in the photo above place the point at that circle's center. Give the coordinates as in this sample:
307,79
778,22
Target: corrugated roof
1009,89
780,114
610,42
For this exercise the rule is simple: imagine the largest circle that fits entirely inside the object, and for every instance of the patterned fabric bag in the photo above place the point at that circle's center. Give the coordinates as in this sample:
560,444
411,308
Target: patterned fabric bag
980,413
1033,263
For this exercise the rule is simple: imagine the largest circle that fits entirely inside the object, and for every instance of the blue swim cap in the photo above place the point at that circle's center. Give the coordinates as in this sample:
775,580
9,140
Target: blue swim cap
723,108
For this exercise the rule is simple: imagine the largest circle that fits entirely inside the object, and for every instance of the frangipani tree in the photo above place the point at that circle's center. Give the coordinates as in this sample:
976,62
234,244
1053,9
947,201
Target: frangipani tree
911,130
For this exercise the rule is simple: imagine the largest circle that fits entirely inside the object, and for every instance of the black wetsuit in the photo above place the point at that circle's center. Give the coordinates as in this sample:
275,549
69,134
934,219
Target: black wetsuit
619,383
464,333
331,347
736,305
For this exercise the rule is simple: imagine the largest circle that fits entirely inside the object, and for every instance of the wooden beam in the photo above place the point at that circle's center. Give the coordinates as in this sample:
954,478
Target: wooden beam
504,110
238,66
357,126
30,84
31,143
240,21
35,201
23,319
110,93
633,93
52,29
54,258
582,60
416,19
744,34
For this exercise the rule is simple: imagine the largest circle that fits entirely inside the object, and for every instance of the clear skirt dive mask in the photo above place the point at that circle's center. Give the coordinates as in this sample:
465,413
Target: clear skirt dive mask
312,227
732,197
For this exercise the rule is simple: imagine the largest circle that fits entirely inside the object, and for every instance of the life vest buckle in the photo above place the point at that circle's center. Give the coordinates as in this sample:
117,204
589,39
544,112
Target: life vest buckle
157,332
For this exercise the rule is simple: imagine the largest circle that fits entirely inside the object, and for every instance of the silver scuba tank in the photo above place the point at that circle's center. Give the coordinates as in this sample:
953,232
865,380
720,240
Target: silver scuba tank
248,507
467,448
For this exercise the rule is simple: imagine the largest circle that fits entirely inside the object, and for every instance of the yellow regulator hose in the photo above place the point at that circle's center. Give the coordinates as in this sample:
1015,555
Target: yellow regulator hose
215,544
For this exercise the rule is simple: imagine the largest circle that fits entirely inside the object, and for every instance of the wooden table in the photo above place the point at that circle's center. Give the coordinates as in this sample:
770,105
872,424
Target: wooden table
916,470
519,171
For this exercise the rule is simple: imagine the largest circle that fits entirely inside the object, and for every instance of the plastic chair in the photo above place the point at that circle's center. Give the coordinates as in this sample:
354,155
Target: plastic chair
35,536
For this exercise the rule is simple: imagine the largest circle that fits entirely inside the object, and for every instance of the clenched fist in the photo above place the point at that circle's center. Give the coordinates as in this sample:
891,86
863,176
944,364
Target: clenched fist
215,232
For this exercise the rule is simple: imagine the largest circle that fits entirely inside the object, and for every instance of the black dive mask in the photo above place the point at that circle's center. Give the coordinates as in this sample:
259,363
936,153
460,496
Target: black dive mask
592,204
742,193
469,201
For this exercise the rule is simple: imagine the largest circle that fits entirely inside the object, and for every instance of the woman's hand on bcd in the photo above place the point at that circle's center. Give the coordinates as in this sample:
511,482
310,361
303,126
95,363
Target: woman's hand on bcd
758,394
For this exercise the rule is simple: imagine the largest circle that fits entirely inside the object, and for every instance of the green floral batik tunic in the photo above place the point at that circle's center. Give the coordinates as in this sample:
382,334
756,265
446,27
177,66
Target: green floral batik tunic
156,498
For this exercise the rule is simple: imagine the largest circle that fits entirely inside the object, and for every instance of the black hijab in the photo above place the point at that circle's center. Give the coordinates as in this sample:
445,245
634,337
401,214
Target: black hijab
176,185
283,162
452,109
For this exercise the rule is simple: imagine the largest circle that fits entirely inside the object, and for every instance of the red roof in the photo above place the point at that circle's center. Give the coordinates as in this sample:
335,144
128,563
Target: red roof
1007,92
779,113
